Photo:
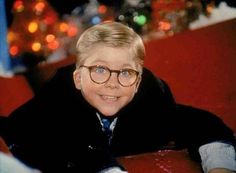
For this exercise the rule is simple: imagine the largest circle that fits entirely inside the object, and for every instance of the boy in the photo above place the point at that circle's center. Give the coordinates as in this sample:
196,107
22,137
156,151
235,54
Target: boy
117,108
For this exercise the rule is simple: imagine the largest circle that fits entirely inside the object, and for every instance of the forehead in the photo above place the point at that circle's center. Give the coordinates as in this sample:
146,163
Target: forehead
113,57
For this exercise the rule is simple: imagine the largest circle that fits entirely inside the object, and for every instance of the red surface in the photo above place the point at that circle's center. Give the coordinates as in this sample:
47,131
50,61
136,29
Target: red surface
200,67
165,161
3,146
14,92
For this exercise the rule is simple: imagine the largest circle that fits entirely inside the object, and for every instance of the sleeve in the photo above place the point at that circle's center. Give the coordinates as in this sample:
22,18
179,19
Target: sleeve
218,155
113,170
9,164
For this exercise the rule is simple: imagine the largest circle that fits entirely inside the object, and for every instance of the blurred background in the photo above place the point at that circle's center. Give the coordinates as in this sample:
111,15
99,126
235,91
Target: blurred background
45,31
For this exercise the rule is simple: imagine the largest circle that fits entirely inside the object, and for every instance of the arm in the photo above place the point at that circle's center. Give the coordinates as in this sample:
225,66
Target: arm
192,127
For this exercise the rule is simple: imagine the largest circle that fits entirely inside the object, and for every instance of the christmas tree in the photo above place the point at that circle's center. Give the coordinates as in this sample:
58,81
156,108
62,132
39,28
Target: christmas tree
37,31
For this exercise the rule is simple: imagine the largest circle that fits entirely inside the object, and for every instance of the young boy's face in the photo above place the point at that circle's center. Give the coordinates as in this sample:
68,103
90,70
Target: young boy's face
109,97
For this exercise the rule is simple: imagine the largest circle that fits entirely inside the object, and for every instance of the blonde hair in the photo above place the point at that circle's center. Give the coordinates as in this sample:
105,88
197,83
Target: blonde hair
111,34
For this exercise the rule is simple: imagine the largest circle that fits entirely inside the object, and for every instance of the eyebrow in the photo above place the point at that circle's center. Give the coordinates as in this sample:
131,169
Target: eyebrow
105,62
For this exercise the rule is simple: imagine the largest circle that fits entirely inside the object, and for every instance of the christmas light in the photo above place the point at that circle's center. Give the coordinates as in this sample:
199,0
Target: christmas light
72,31
53,45
63,27
121,17
14,50
140,20
36,46
18,6
32,27
50,19
11,36
95,20
50,38
102,9
39,7
164,25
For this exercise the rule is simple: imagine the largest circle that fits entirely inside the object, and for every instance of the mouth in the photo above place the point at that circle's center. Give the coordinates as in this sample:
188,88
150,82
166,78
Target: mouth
109,98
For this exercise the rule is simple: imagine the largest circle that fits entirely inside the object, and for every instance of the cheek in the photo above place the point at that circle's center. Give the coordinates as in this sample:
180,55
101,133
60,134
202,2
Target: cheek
87,85
130,92
85,80
88,91
89,88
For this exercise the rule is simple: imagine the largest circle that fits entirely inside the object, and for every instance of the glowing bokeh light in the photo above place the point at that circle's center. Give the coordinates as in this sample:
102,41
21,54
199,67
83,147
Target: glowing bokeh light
18,6
50,38
140,20
72,31
32,27
95,20
36,46
63,27
53,45
14,50
10,36
39,7
102,9
163,25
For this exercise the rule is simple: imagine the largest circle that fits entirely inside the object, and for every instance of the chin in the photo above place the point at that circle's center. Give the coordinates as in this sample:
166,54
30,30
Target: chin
108,113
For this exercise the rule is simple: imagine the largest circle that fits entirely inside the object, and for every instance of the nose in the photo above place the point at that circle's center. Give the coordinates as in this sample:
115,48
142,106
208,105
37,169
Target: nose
113,80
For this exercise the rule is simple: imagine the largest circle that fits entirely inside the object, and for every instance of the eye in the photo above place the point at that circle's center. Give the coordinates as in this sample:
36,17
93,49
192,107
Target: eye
127,73
99,69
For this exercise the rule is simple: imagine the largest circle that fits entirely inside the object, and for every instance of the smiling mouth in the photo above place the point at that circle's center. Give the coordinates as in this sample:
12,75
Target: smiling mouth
109,98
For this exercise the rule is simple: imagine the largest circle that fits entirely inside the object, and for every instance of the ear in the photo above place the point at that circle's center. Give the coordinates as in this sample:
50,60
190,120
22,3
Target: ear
77,78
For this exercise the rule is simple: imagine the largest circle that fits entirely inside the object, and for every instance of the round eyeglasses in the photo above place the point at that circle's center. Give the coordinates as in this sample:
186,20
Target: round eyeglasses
101,74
